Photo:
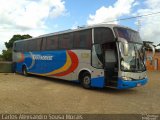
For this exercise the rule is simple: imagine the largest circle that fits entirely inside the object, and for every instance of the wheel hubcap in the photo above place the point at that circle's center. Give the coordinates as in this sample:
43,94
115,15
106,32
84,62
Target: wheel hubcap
86,80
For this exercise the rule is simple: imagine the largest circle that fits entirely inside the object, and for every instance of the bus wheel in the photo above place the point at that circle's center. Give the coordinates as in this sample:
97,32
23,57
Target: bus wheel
24,70
86,80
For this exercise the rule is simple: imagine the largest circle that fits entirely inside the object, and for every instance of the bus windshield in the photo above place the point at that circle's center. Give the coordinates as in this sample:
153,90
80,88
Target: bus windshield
128,34
134,62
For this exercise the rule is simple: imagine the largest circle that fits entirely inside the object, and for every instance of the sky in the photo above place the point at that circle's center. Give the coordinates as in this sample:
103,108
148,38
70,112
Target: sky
38,17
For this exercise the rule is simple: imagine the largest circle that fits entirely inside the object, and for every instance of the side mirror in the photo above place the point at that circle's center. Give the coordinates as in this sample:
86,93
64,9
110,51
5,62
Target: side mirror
124,46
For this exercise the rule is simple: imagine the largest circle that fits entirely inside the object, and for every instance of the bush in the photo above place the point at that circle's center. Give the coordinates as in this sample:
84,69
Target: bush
7,55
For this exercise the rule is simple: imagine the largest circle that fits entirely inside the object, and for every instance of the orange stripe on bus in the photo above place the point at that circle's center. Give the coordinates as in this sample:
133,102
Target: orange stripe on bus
74,60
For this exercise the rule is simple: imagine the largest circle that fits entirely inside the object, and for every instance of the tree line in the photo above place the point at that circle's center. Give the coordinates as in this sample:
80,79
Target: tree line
7,54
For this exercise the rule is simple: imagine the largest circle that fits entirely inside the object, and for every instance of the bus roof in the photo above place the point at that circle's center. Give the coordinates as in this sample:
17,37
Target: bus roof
77,29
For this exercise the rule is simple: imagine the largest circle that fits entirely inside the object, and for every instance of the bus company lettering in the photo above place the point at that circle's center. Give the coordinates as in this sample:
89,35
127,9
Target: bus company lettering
41,57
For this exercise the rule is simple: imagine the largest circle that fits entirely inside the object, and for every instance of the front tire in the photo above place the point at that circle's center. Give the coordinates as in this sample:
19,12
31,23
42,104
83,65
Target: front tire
86,80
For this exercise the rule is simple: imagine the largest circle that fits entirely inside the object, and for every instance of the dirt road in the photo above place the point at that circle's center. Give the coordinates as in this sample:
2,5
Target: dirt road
19,94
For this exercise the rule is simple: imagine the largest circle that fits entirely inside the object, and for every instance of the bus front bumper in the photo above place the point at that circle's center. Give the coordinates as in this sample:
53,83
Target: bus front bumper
124,84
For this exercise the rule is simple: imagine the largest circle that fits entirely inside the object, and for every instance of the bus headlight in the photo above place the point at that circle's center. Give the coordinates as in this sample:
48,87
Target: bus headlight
126,78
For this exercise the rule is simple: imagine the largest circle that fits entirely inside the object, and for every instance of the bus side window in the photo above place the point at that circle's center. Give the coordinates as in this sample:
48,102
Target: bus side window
86,39
52,43
25,46
30,44
33,45
20,47
14,47
43,44
83,39
66,41
38,44
75,39
103,35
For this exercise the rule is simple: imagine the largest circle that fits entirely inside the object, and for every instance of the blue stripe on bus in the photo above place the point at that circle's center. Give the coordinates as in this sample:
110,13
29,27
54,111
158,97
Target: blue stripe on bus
123,84
98,82
44,66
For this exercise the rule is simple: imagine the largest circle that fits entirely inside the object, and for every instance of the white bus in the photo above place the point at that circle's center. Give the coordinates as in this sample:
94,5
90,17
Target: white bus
104,55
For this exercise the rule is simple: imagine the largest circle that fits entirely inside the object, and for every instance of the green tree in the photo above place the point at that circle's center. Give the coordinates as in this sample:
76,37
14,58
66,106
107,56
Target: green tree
15,38
1,57
7,54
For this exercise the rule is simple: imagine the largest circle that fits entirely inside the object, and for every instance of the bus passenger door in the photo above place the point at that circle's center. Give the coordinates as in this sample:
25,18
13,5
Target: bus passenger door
97,62
110,64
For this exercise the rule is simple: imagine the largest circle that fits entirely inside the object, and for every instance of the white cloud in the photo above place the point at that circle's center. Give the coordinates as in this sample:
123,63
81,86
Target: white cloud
105,14
27,17
149,26
25,14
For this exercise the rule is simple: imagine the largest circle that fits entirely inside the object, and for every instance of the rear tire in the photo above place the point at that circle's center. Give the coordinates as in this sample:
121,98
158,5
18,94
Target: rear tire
24,70
86,80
